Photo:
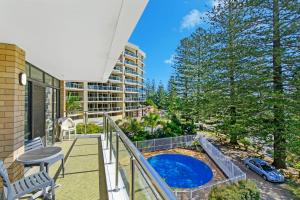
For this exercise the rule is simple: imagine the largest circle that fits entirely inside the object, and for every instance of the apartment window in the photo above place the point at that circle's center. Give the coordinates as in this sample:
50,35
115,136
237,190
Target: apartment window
42,97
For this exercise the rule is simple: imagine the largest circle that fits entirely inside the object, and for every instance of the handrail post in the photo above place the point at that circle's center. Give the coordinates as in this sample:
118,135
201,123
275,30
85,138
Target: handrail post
106,126
110,144
132,169
117,163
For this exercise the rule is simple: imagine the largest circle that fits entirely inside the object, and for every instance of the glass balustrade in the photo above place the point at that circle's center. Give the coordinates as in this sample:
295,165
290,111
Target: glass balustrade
140,179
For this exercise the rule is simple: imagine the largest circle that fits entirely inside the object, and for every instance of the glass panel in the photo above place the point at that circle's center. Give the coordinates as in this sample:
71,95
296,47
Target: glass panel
27,119
124,165
48,79
27,69
56,83
142,189
49,116
36,74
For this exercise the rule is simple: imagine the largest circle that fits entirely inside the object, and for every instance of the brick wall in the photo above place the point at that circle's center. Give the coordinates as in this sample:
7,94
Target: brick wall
12,99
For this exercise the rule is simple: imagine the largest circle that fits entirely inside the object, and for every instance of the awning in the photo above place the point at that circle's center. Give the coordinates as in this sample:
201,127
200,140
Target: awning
70,39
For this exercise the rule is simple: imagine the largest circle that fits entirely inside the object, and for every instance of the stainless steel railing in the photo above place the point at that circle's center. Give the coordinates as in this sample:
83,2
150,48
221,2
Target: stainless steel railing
116,139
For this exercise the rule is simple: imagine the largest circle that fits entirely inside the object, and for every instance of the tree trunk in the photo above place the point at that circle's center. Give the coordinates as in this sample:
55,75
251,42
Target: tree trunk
278,109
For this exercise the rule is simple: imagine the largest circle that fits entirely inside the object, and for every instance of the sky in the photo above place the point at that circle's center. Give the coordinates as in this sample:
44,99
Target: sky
163,24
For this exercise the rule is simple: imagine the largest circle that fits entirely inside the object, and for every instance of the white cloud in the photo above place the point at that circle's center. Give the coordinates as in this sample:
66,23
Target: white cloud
192,19
215,3
170,61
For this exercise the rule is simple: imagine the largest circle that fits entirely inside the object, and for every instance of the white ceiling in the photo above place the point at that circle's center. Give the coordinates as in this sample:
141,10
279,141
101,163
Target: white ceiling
70,39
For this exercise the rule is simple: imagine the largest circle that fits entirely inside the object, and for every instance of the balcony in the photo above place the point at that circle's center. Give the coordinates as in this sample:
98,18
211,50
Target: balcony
130,63
107,166
115,79
131,54
104,88
132,108
74,85
131,99
105,99
117,70
108,110
131,89
131,72
130,81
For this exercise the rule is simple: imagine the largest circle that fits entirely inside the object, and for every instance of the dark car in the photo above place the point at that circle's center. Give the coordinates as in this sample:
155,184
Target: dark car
262,168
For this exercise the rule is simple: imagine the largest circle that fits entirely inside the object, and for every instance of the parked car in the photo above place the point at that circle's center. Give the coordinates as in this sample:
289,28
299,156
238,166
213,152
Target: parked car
262,168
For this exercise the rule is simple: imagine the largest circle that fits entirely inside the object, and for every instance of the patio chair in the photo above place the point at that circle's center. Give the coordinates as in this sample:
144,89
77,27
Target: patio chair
68,126
37,143
30,184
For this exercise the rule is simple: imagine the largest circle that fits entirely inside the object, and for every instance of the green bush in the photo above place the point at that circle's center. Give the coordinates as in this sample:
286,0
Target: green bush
243,190
91,128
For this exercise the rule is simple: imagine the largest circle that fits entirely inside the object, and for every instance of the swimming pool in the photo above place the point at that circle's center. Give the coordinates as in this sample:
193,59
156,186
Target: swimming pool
181,171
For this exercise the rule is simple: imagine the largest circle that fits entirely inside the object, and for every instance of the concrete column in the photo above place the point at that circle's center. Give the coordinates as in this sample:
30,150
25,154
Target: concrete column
123,85
12,108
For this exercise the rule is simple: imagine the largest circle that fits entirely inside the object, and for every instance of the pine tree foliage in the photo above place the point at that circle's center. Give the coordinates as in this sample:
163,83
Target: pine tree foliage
244,72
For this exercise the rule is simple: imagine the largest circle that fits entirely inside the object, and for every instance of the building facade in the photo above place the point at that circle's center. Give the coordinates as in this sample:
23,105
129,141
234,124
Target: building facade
122,96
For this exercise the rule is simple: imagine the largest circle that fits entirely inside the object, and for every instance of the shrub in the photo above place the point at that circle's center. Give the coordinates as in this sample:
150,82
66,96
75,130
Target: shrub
91,128
246,143
189,128
243,190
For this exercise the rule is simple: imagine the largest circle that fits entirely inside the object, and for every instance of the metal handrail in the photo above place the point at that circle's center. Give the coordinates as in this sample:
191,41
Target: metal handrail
160,186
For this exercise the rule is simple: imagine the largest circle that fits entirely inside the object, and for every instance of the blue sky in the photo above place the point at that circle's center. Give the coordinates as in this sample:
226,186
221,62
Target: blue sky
163,24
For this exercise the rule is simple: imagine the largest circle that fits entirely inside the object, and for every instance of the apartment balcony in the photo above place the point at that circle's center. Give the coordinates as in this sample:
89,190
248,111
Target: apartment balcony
132,99
105,99
135,90
130,108
105,88
73,85
117,71
105,110
115,79
132,82
130,54
131,63
142,99
107,166
131,72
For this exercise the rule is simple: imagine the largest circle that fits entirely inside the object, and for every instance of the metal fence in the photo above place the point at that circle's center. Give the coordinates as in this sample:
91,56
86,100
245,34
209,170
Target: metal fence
164,143
233,172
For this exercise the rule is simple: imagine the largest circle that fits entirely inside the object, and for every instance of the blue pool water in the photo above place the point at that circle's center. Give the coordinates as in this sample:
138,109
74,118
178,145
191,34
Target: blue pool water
181,171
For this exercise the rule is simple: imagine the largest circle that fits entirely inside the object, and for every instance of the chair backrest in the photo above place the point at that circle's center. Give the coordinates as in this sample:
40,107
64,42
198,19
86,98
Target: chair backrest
36,143
71,123
68,123
6,183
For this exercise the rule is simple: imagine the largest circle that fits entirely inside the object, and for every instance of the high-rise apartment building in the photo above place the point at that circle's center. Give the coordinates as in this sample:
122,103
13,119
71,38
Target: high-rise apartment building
121,96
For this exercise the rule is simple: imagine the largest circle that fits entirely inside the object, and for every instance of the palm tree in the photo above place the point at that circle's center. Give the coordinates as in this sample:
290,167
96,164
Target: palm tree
152,120
72,103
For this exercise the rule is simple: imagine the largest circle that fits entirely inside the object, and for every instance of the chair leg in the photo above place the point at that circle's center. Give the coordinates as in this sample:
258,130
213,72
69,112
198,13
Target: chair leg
47,168
63,167
53,191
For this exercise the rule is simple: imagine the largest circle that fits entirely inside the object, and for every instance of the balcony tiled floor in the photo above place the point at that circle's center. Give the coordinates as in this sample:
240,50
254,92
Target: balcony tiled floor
81,179
81,172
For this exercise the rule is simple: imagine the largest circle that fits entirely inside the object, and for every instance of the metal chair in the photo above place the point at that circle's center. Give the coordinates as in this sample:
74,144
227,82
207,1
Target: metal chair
34,183
37,143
